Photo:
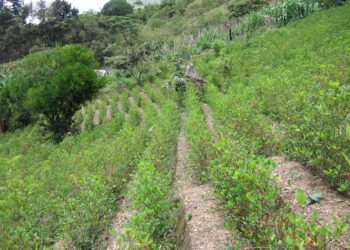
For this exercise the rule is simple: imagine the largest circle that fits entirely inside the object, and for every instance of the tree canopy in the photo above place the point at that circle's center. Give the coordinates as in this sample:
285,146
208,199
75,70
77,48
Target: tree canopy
117,8
49,86
60,9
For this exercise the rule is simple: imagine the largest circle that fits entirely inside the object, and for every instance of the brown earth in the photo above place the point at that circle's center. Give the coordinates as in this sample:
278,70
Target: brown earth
205,219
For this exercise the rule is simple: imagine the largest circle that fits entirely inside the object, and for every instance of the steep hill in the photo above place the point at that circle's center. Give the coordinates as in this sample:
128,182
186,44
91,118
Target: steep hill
202,143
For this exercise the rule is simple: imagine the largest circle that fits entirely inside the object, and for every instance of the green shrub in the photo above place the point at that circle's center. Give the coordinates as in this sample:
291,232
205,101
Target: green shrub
244,7
150,192
53,84
65,192
125,100
290,100
199,138
151,196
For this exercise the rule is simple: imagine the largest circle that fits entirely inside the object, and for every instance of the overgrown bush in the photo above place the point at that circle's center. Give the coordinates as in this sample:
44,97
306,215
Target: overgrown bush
53,90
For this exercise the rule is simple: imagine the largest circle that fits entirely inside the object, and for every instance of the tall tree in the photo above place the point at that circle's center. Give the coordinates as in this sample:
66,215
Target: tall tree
27,11
2,4
42,10
61,9
125,26
139,3
17,6
136,60
117,8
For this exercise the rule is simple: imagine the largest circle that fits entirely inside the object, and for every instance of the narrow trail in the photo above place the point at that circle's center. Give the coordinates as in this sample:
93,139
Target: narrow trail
155,105
293,176
208,117
121,110
120,107
140,110
82,125
109,113
204,229
117,227
96,120
83,113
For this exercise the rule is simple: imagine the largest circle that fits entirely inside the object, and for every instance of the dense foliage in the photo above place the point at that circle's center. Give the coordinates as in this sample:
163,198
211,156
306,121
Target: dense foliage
51,83
61,24
295,98
242,180
65,194
117,8
285,92
150,192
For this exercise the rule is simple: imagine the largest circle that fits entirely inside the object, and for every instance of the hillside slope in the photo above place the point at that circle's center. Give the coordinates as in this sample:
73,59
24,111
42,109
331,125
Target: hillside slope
143,171
288,91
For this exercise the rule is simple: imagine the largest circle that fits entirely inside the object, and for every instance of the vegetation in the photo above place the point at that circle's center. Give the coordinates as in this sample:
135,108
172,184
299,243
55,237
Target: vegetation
302,110
285,101
69,78
200,139
135,61
75,203
243,182
117,8
150,192
276,85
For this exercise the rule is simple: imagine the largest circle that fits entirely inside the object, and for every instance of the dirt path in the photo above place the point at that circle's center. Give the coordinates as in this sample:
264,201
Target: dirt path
208,117
140,110
121,110
82,125
155,105
109,113
120,107
117,227
83,113
205,222
96,120
294,176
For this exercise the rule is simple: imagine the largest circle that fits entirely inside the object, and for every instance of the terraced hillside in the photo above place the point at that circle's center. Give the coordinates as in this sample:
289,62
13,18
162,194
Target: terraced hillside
239,144
66,195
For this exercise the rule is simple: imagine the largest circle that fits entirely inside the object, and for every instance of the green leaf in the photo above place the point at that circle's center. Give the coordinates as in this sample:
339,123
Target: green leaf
301,197
346,158
348,131
343,228
334,84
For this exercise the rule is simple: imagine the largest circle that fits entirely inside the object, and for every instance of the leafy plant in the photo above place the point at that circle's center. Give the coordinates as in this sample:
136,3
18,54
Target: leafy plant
55,90
135,60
